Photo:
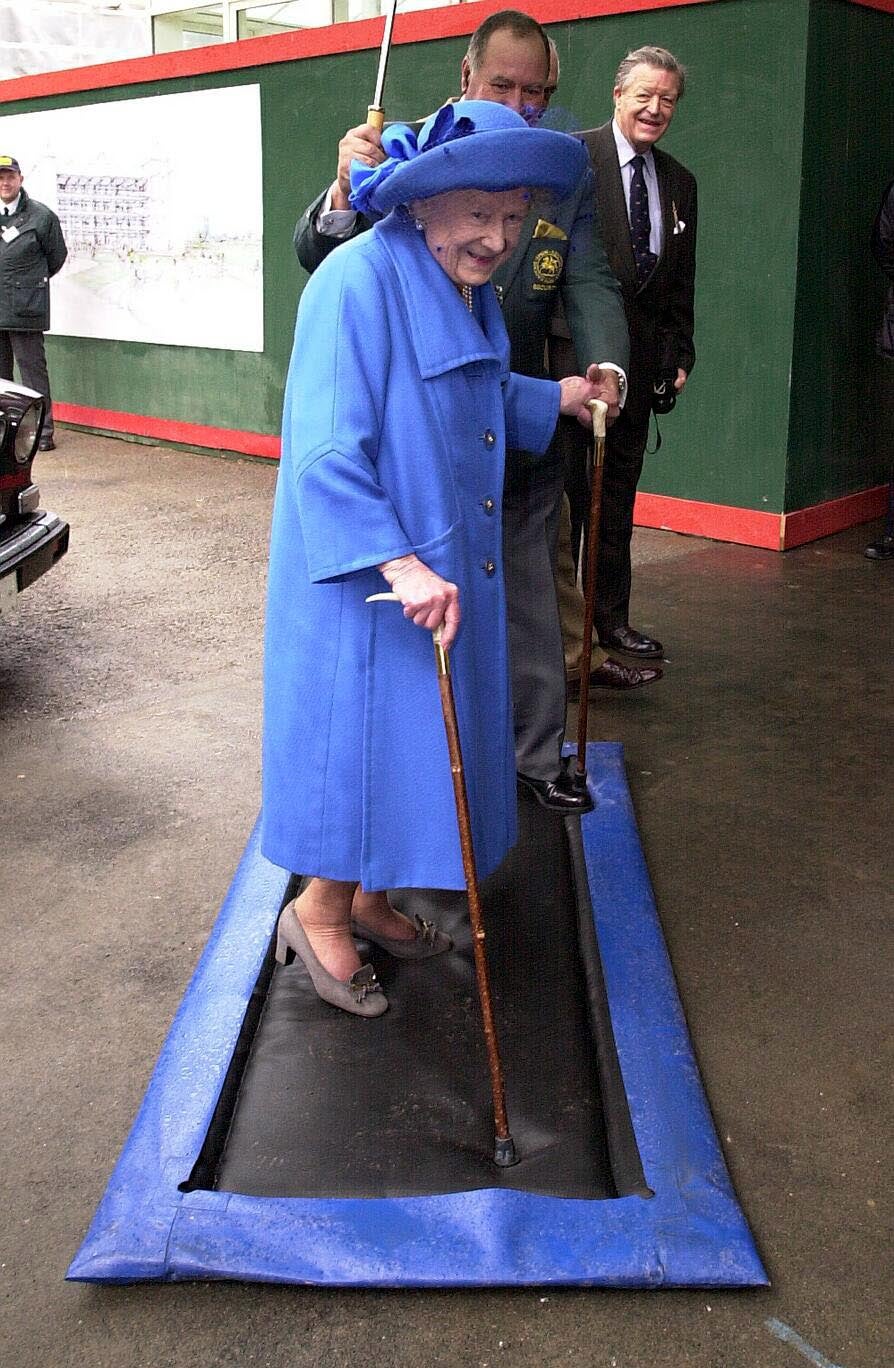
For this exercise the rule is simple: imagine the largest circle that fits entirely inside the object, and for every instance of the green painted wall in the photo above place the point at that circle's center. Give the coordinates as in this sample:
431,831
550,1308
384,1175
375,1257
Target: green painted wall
848,159
776,89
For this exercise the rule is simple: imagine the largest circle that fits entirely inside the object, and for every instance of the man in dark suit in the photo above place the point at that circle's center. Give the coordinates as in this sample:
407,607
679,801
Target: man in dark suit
647,207
559,256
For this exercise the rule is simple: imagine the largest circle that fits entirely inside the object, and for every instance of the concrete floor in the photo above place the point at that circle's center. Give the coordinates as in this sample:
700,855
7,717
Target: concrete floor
760,767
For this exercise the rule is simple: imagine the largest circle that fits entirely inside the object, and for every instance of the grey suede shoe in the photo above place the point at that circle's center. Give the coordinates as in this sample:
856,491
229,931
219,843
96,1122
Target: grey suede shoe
362,993
427,942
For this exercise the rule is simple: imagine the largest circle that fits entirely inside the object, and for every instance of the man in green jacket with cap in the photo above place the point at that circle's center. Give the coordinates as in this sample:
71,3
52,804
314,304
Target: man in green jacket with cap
32,249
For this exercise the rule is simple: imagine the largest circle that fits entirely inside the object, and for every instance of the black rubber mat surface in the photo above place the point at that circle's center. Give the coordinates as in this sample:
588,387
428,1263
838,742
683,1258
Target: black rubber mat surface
323,1104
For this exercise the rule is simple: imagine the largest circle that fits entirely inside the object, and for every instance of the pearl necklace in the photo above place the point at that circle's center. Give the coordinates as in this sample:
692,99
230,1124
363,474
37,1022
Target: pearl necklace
466,292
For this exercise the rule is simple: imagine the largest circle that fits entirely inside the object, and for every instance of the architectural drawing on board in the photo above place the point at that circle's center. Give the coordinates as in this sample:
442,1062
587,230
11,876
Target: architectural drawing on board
104,211
144,192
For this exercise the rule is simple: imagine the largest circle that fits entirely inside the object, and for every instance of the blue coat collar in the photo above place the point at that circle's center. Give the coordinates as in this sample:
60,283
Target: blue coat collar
428,294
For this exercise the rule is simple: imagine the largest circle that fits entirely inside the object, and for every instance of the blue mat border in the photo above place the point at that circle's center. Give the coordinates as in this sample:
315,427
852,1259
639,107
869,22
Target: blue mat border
691,1233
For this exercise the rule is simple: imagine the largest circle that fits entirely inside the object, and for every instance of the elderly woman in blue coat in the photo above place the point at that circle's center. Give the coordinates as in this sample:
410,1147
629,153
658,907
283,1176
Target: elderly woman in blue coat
398,411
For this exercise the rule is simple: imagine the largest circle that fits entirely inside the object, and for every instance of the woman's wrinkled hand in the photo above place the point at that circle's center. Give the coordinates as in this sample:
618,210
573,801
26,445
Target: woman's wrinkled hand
428,600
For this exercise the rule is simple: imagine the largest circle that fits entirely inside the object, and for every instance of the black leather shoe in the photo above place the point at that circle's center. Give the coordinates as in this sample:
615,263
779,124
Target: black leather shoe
632,642
46,444
611,674
559,794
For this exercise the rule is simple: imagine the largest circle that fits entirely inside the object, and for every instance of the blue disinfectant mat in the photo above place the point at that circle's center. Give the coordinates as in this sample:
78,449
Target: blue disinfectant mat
691,1232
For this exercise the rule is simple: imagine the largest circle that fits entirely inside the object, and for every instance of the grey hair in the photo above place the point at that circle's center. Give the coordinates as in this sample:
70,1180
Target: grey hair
653,57
554,52
517,23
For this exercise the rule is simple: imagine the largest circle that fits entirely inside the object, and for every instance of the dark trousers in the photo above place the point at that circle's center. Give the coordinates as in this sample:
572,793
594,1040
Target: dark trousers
536,658
27,349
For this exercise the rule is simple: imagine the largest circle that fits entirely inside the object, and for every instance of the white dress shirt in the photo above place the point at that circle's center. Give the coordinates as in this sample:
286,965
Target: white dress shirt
626,153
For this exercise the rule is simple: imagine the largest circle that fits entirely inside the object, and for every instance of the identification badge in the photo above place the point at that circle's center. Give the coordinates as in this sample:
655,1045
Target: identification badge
547,267
9,234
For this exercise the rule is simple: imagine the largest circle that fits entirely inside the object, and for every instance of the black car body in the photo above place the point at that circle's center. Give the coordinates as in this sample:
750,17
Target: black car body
31,538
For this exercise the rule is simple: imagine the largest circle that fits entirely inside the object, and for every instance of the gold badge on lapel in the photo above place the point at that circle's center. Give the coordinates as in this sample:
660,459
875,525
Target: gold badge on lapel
547,267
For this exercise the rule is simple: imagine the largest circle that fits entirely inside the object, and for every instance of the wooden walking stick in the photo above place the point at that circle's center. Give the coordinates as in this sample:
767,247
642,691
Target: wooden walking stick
504,1145
598,408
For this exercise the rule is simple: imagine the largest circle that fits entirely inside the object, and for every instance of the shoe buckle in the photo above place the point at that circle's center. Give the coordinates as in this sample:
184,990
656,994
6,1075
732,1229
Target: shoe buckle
425,930
362,982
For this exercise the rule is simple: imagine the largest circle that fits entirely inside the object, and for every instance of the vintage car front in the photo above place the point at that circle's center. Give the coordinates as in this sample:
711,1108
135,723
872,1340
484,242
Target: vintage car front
32,539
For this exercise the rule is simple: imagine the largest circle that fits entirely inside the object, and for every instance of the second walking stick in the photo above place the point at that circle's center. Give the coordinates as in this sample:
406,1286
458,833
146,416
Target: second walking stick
598,409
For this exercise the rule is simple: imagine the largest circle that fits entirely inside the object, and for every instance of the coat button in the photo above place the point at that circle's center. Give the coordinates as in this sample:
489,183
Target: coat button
489,567
489,439
488,505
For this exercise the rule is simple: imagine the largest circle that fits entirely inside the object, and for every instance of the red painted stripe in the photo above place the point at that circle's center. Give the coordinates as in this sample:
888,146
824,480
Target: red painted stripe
169,430
451,21
751,527
808,524
719,522
420,26
747,526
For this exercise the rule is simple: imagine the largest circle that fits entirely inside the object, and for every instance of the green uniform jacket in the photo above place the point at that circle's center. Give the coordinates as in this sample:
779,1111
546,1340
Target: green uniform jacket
559,256
26,264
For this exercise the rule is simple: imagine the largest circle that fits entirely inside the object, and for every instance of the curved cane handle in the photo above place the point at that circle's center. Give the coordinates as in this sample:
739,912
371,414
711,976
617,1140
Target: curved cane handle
441,654
598,408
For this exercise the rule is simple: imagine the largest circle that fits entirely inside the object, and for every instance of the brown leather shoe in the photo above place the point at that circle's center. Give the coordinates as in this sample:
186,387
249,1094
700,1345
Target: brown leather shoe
611,674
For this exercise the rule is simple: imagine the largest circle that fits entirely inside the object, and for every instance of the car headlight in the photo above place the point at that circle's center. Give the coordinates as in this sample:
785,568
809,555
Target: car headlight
21,416
28,432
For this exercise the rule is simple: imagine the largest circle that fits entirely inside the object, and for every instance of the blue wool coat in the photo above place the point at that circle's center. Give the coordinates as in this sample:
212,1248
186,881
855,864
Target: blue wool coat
399,406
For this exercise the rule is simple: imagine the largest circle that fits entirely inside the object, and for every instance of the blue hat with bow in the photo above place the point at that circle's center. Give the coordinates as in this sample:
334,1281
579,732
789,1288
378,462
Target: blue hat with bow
471,145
